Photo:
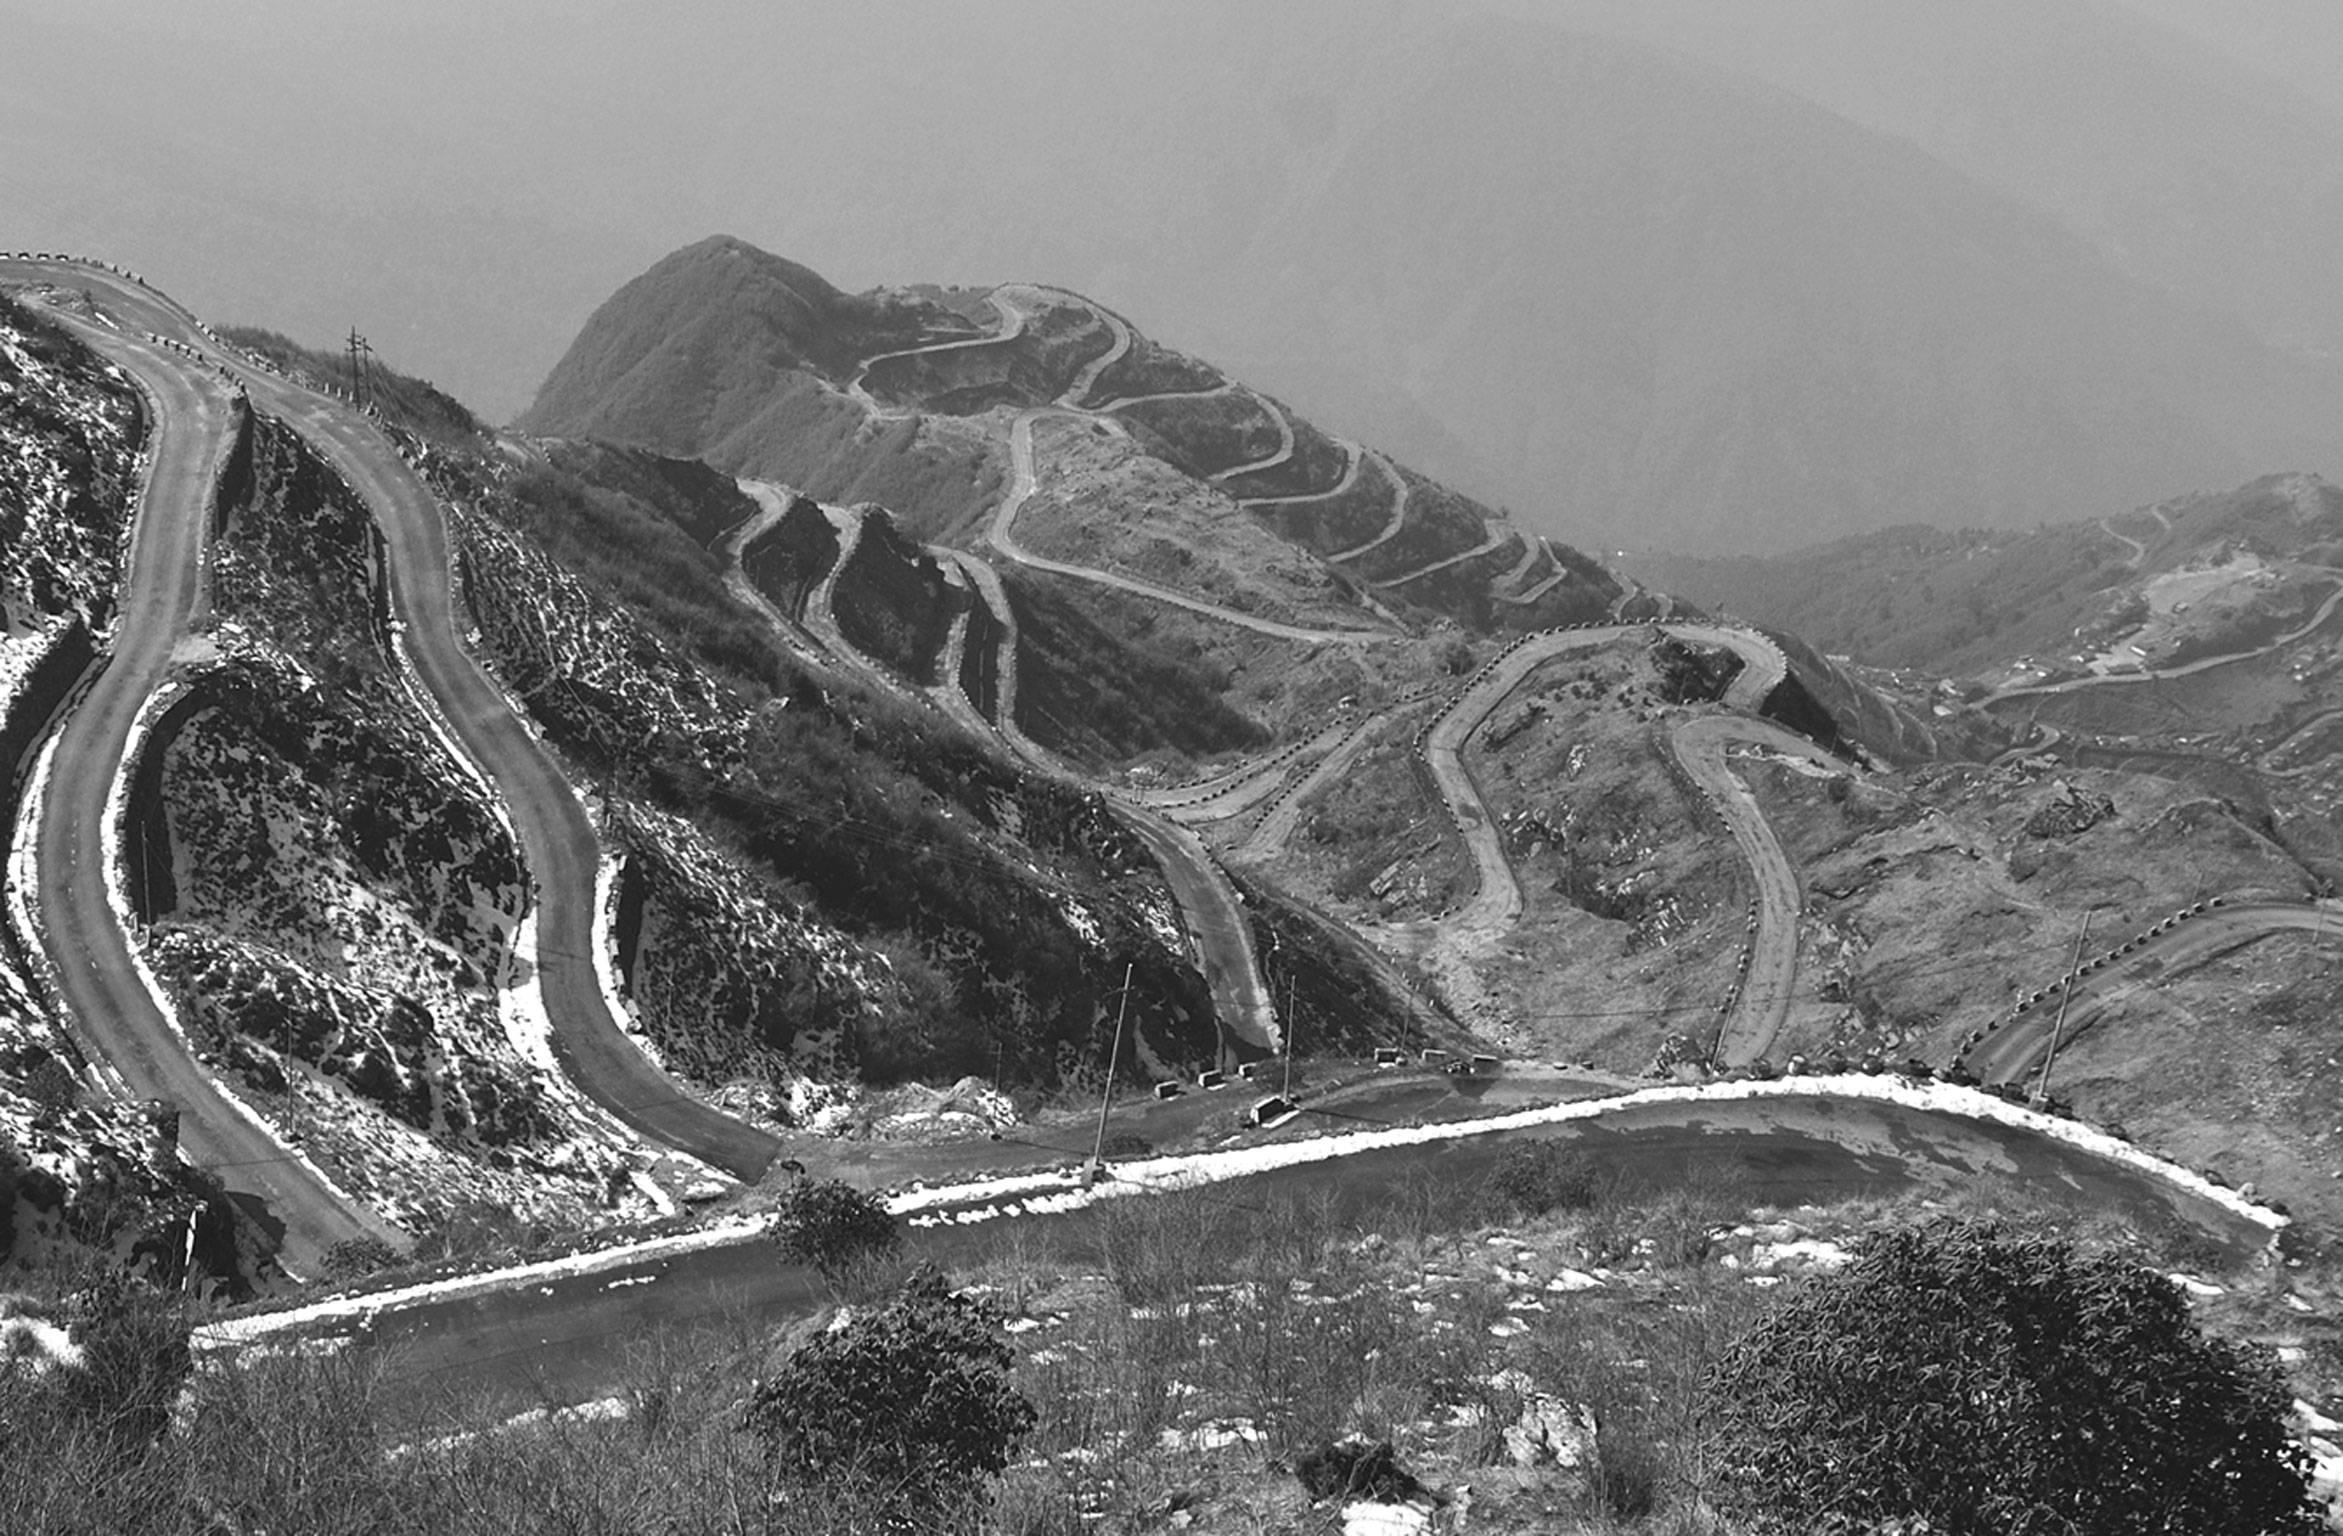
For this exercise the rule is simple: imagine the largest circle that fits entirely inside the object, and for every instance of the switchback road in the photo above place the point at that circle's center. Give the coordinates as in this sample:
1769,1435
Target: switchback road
96,971
557,838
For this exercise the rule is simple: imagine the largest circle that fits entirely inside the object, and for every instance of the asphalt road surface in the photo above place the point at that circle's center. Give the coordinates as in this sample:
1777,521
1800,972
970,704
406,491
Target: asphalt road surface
570,1338
2014,1052
95,969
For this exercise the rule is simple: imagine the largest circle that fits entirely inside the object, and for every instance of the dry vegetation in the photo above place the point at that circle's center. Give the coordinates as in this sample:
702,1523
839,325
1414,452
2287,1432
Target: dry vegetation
1536,1353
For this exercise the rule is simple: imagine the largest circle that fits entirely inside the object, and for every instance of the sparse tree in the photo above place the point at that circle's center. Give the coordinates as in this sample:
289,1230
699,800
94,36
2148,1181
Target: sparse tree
2001,1385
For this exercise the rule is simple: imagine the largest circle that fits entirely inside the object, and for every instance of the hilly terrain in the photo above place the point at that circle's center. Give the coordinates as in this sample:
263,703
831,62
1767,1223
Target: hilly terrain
872,734
1534,847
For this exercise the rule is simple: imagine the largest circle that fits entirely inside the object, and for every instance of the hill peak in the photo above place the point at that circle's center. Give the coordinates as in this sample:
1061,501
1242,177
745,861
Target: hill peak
643,356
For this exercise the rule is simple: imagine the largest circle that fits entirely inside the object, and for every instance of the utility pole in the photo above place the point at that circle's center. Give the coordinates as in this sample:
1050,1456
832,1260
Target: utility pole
360,351
292,1084
1114,1057
1287,1092
2065,996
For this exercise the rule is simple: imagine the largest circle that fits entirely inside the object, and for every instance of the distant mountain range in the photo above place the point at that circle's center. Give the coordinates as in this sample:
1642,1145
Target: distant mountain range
1704,274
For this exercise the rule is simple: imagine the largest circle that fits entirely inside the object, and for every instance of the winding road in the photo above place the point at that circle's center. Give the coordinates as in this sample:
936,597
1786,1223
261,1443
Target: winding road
1493,538
558,842
99,976
2013,1050
98,970
1391,529
1003,536
564,1333
1761,1003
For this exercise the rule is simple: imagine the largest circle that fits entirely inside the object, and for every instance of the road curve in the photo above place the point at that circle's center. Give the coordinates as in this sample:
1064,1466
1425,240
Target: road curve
1762,997
1283,812
557,838
1493,538
1208,903
1276,456
1496,903
2013,1050
96,970
1350,477
567,1331
1397,521
1003,537
1012,326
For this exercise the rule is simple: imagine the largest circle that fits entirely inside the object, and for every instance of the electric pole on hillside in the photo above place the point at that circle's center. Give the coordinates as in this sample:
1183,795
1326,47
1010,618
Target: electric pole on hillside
1114,1059
1287,1092
2074,971
361,353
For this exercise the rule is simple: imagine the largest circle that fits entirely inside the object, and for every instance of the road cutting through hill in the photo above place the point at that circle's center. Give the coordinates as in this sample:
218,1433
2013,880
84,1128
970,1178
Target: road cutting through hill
1221,933
100,978
1350,477
1391,528
1003,537
557,839
2014,1049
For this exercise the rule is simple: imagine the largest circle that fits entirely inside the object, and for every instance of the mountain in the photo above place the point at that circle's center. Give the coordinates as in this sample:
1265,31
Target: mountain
1669,306
899,396
1413,308
533,827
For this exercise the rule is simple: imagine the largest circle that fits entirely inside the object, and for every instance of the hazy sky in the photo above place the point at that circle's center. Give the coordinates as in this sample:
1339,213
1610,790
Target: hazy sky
465,182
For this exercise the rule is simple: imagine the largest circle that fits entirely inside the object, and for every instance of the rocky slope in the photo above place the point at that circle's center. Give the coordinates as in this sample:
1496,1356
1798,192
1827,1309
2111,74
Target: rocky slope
79,1168
332,899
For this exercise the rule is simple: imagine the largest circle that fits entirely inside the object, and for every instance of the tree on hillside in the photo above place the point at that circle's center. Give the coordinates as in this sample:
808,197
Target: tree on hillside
2002,1386
833,1227
909,1405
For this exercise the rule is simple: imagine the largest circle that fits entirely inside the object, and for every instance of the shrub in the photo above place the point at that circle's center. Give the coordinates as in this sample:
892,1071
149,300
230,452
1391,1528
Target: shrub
2006,1385
833,1227
53,1088
1539,1176
910,1402
135,1358
354,1258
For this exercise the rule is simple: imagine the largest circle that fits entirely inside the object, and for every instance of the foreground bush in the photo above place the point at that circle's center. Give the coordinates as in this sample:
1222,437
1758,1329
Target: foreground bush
911,1402
2002,1386
1540,1176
